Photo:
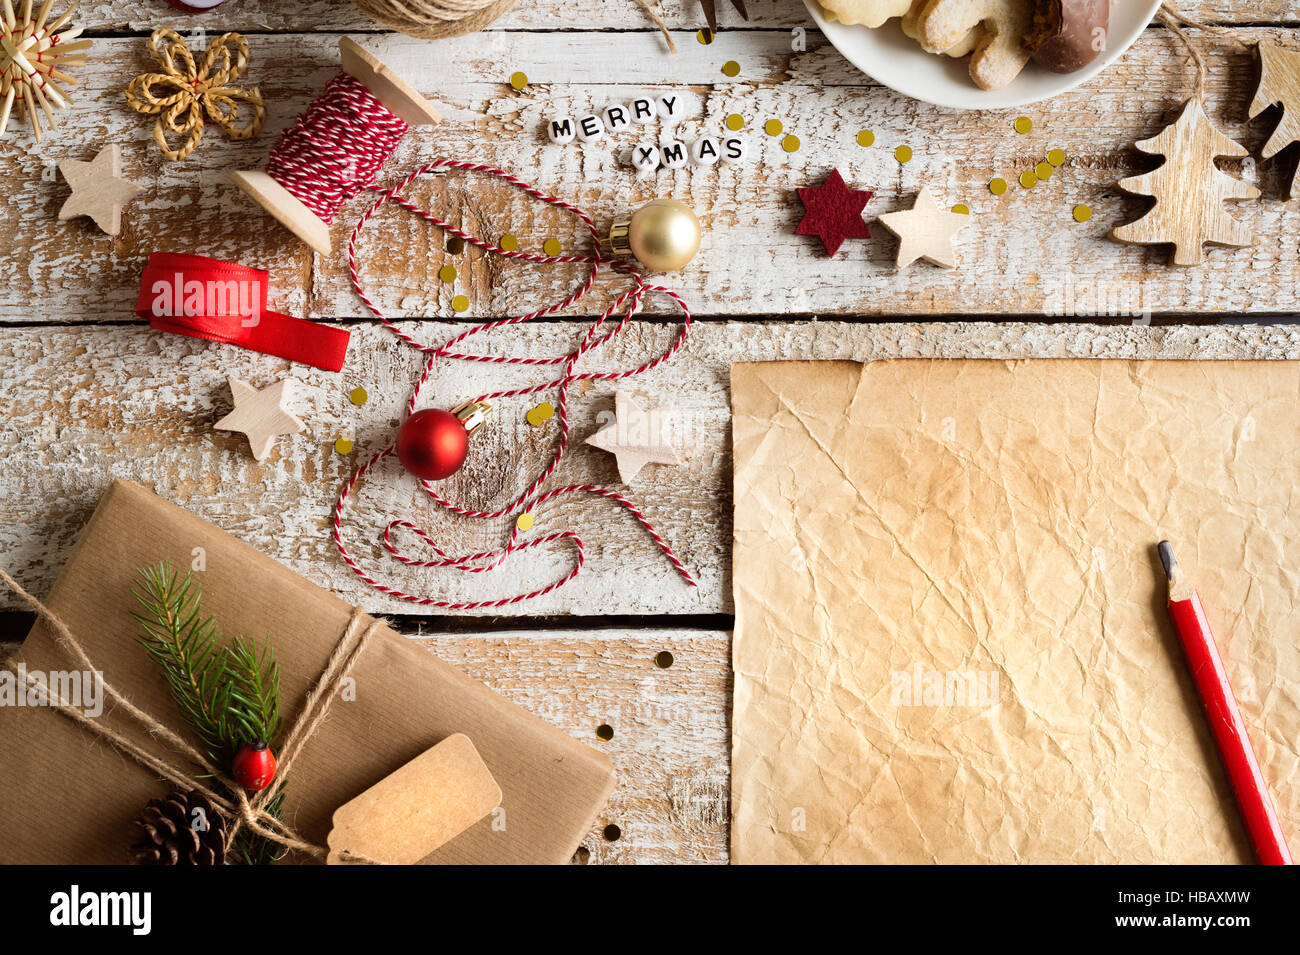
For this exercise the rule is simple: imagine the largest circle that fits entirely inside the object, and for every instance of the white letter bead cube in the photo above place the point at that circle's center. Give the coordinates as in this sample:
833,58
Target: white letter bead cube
734,149
645,157
642,109
674,154
617,118
704,151
590,127
671,108
561,130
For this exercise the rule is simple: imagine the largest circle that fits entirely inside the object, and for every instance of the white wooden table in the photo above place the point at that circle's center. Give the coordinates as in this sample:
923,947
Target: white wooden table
89,393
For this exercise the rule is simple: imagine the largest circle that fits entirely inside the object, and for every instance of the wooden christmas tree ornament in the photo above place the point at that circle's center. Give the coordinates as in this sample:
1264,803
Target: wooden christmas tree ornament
98,189
262,414
33,53
1279,85
1189,190
393,92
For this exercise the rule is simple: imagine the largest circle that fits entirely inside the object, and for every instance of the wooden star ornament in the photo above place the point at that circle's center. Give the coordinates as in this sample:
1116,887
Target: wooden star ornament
98,189
1279,85
925,231
833,212
637,437
262,414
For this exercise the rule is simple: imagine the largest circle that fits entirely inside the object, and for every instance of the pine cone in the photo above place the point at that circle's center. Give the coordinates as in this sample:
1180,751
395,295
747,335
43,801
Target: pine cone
183,829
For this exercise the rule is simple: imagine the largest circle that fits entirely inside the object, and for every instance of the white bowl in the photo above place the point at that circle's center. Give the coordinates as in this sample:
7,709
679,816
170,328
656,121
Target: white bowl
894,60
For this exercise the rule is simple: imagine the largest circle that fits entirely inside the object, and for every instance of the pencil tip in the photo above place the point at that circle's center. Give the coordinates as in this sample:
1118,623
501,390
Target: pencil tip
1167,558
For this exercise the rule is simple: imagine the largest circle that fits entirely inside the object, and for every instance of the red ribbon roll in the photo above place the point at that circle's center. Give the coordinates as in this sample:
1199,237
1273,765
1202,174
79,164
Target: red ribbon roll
223,302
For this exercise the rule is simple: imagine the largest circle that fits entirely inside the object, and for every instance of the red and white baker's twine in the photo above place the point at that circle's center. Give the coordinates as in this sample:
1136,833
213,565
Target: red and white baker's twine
531,498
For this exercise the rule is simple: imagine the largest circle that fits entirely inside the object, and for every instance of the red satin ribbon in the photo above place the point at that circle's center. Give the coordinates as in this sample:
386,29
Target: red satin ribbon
223,302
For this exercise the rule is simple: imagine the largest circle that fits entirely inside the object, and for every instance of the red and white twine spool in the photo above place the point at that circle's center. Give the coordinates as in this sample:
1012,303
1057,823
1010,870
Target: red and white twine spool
601,332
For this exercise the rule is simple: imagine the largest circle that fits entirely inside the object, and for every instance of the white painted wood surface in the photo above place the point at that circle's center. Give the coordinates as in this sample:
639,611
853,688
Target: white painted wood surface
1023,255
87,393
96,402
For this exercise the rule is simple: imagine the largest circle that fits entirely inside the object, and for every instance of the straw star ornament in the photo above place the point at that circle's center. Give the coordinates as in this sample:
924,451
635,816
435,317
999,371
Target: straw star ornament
182,95
32,54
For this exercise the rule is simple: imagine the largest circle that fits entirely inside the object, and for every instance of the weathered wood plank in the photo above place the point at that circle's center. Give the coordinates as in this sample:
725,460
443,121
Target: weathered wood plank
309,15
1023,255
81,405
672,741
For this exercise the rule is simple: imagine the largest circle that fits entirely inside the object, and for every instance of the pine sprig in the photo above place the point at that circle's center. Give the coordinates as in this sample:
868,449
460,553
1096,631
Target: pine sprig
229,694
185,648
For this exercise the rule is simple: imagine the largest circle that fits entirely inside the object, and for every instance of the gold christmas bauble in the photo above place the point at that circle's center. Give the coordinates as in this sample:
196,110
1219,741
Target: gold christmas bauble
664,235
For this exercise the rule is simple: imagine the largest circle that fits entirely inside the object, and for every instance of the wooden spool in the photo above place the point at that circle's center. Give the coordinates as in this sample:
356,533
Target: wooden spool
398,96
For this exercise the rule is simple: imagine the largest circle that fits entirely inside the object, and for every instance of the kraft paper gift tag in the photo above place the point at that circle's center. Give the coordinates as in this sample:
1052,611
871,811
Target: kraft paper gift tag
951,639
68,797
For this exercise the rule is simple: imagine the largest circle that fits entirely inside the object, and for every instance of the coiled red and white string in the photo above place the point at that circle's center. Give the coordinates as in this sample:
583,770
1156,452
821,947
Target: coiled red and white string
533,496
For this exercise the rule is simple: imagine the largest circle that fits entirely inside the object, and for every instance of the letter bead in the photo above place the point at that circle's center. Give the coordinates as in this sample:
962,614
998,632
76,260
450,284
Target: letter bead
674,154
734,149
617,118
704,151
642,109
560,129
671,108
645,157
590,127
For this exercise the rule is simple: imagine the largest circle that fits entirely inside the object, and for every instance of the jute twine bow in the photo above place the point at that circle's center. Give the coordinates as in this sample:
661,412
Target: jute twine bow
438,19
242,810
182,94
1176,22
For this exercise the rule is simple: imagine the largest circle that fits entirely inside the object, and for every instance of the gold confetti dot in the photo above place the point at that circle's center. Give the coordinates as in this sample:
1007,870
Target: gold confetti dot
519,80
358,396
866,137
997,185
1056,156
735,122
704,36
903,153
552,247
343,445
460,304
1028,179
509,243
731,68
1023,125
773,127
524,521
790,143
1044,170
541,414
1082,213
447,273
961,209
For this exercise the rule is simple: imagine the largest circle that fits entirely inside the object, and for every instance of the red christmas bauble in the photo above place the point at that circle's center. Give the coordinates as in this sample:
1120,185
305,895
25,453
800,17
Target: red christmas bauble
432,444
254,766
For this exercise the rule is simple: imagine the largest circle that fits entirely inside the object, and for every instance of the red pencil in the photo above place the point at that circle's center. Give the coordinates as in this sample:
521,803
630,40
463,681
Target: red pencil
1225,719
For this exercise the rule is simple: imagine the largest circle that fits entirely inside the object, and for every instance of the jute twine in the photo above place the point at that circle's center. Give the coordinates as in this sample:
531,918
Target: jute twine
242,810
437,19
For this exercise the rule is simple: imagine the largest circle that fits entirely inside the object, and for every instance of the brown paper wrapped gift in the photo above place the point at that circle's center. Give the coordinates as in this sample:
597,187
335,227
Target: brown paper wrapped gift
66,796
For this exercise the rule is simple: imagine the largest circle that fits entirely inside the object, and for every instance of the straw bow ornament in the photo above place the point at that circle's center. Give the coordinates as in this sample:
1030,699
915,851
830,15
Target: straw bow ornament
182,95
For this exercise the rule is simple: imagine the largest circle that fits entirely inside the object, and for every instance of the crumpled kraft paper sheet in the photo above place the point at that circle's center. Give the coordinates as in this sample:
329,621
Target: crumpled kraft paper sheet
951,638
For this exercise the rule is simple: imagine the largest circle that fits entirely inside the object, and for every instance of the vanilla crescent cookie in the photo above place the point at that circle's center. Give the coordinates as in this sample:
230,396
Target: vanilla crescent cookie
999,54
868,13
966,44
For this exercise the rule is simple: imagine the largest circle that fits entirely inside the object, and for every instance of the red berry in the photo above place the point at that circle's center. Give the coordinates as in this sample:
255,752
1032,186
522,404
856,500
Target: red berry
432,444
254,766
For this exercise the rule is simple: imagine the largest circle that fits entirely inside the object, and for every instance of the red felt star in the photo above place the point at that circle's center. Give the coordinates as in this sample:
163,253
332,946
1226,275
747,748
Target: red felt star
834,212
